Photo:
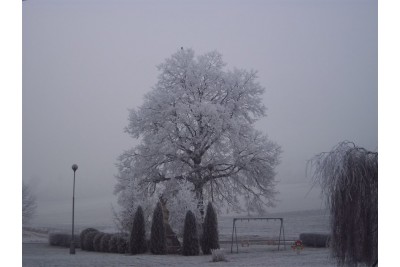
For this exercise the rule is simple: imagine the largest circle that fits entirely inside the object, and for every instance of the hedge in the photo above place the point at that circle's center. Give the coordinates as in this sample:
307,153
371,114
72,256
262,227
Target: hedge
315,239
63,240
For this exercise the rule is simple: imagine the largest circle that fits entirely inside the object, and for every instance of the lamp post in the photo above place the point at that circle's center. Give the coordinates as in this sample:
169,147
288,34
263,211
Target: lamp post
72,247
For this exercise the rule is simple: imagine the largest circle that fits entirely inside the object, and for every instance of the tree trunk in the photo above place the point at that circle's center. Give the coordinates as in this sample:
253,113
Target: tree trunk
200,200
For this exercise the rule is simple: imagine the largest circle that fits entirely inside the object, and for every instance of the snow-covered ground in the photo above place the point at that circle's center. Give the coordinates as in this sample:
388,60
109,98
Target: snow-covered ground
45,255
37,252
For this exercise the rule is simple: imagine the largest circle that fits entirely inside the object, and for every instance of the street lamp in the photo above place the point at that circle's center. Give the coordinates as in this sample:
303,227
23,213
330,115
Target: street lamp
72,247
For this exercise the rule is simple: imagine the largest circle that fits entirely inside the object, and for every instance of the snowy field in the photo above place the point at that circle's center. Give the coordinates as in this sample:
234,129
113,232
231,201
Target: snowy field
45,255
36,251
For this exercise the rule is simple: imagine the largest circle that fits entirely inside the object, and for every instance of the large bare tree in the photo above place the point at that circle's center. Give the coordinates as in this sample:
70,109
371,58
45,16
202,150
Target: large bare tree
196,131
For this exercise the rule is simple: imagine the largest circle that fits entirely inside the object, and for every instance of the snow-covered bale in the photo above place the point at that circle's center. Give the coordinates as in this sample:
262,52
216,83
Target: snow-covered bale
315,240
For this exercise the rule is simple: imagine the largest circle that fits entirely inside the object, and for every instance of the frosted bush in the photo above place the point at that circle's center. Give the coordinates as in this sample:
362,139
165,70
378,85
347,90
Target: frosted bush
63,240
113,243
82,237
96,241
88,240
218,255
122,244
104,242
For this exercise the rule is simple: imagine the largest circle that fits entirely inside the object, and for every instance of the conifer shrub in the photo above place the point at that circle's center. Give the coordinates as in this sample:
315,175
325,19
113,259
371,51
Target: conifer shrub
158,240
190,245
88,240
210,238
96,241
82,236
104,242
137,241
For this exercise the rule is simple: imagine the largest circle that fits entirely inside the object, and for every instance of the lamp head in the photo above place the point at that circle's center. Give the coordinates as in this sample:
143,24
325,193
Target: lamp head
74,167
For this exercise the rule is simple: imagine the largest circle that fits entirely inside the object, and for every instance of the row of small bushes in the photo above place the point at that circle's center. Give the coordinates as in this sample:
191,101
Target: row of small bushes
94,240
63,240
136,243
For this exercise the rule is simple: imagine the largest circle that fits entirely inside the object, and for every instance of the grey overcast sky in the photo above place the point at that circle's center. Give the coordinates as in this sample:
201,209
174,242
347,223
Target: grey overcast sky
85,63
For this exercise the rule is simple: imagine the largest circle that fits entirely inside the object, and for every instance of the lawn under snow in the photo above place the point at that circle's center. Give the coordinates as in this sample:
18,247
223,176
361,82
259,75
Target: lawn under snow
37,252
45,255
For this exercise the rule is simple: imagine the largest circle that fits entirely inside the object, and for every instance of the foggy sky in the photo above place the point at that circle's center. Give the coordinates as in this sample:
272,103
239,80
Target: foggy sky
85,63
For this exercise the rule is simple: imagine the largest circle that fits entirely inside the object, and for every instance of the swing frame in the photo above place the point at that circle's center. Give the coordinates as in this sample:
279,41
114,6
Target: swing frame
234,232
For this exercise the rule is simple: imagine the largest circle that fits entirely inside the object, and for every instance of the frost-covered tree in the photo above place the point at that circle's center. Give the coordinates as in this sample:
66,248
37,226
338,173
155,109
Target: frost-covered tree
137,239
197,126
348,176
209,239
158,240
28,204
190,246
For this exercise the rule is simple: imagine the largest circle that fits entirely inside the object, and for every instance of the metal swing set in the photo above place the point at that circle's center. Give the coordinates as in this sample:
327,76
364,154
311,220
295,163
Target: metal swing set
234,231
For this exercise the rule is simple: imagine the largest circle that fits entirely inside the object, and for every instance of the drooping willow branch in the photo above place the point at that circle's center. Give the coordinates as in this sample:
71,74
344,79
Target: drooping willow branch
348,176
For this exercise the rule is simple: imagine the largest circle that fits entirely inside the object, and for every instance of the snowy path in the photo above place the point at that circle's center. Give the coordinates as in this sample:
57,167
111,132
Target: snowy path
45,255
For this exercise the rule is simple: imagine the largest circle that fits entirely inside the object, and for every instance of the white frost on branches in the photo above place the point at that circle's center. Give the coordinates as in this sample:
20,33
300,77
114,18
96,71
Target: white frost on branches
28,204
196,130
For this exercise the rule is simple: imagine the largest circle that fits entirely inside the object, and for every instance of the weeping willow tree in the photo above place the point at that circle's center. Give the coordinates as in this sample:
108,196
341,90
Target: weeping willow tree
348,176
